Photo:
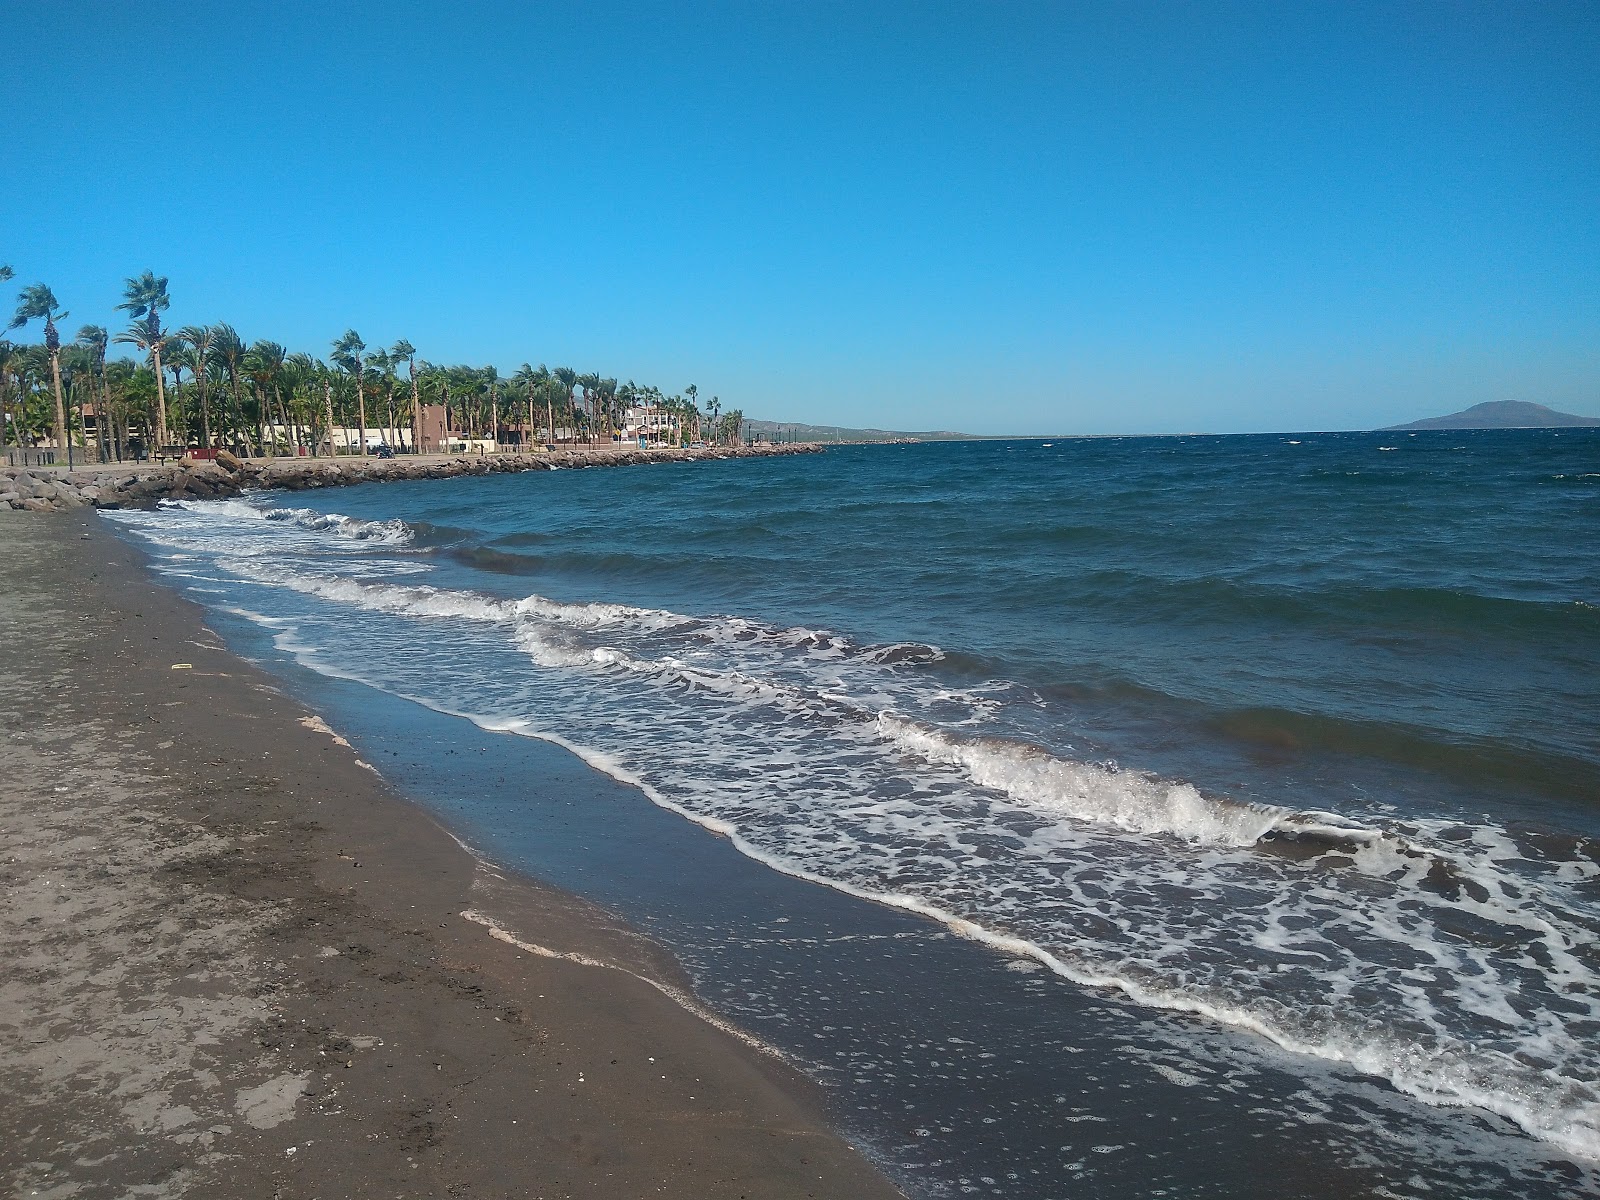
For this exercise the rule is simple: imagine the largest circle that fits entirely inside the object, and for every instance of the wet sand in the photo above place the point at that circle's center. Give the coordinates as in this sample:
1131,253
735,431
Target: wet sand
240,964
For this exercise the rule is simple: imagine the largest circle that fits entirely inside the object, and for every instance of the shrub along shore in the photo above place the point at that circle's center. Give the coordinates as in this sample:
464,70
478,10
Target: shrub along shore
127,485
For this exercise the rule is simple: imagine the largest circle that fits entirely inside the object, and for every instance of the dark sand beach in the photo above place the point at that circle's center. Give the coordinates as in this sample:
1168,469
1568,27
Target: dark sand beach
239,963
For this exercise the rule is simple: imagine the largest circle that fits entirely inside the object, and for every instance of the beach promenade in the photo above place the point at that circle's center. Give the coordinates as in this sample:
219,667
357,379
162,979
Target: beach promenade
238,964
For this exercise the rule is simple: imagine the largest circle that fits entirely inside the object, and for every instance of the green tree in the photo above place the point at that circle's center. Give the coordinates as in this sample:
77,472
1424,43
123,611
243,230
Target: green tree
404,351
490,377
380,364
347,352
538,382
199,338
144,300
263,364
568,379
9,356
38,303
227,351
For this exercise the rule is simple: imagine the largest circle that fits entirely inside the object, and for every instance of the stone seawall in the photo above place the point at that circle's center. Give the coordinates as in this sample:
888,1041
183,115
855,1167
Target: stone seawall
42,489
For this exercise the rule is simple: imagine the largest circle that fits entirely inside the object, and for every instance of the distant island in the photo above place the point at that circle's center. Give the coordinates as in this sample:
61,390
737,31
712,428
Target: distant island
1504,414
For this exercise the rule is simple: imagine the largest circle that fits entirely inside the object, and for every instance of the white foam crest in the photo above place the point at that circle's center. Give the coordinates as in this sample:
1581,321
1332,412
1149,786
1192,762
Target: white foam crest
393,532
234,509
1109,878
1086,792
421,600
1563,1112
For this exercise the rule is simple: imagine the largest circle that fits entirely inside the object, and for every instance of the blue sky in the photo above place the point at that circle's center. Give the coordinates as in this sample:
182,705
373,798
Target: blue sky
1002,218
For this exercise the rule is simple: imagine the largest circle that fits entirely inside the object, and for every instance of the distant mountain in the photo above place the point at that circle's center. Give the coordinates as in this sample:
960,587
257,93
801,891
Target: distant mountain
1505,414
798,432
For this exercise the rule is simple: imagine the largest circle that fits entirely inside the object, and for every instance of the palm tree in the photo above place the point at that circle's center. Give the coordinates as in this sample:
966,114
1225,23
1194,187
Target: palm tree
263,363
590,383
406,351
199,338
28,364
178,357
490,377
38,302
569,379
6,351
144,299
300,373
538,381
380,361
9,355
347,353
227,350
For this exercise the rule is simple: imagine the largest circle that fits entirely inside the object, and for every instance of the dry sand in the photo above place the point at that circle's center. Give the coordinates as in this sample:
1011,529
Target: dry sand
237,964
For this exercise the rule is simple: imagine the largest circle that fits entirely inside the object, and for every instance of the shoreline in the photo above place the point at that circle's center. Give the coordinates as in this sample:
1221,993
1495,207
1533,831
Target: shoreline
246,964
142,485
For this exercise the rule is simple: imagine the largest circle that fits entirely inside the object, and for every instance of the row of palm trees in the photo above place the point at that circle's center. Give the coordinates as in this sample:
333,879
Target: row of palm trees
258,398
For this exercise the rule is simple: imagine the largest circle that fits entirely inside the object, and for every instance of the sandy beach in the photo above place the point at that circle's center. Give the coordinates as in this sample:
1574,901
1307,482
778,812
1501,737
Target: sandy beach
242,965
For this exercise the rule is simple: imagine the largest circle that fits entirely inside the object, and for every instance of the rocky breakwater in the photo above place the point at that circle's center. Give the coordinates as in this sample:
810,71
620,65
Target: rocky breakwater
41,489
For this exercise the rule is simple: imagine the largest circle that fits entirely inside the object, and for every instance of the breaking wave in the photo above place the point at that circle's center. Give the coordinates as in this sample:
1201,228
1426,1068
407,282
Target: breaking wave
1455,959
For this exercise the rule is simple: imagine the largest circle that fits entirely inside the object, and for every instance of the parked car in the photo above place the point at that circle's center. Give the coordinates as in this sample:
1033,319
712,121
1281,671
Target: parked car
383,450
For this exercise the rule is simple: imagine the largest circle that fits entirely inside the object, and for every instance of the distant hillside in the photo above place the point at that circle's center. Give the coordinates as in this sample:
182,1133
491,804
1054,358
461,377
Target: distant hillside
798,432
1504,414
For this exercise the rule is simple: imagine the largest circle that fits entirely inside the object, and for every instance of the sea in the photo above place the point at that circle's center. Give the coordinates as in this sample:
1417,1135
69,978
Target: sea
1115,817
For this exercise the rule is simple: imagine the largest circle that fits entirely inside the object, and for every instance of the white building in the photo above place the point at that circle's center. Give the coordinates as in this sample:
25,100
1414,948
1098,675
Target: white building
650,425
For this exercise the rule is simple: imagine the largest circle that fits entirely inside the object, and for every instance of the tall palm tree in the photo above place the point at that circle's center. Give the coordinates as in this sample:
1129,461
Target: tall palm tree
28,365
144,299
77,376
299,381
405,351
490,377
263,363
199,338
715,408
347,353
227,350
37,302
178,358
9,354
590,383
6,352
380,361
569,380
537,381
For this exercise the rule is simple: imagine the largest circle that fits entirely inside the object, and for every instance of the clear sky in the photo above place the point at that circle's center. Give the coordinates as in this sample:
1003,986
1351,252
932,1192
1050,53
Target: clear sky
1001,218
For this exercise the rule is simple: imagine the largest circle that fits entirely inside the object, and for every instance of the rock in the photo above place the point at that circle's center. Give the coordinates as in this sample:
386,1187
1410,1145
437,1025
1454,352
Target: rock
228,461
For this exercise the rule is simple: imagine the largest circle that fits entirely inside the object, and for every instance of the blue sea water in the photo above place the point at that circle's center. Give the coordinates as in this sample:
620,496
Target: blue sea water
1258,768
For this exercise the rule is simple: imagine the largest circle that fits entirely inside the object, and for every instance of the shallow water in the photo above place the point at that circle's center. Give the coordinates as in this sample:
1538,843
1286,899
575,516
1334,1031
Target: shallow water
1281,751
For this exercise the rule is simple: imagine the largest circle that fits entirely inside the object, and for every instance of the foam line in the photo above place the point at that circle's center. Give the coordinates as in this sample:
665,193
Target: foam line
678,996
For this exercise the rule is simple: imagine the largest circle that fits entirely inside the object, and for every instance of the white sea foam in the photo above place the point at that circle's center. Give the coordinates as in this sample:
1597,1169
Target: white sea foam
1085,791
1436,955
